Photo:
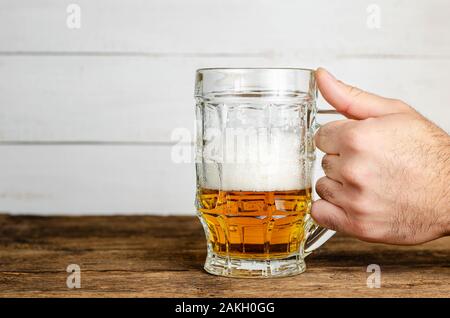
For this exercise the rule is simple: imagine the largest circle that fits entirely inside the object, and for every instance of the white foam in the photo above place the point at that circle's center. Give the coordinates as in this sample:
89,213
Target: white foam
274,161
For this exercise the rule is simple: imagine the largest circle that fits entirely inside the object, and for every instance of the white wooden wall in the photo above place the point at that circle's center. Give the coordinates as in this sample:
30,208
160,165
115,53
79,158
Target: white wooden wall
86,114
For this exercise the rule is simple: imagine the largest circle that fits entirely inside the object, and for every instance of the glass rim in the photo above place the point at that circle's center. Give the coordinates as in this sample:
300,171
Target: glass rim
206,69
261,82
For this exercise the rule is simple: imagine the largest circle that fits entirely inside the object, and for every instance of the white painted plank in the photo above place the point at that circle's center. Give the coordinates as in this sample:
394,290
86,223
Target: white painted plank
94,180
97,98
267,27
137,99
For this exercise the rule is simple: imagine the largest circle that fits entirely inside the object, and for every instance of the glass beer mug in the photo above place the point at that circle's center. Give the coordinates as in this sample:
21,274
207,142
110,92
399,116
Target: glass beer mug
254,160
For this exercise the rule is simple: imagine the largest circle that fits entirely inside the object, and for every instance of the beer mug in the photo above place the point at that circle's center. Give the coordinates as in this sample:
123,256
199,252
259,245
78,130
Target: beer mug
254,161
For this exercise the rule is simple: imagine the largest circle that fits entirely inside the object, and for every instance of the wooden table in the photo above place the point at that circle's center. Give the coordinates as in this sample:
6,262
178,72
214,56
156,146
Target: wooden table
152,256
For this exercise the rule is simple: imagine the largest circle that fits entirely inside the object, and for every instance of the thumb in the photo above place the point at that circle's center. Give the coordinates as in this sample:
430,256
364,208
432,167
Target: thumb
354,102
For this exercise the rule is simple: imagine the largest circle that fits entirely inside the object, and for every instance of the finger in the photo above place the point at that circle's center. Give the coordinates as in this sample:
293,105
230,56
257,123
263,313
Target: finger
330,190
327,138
330,216
331,166
354,102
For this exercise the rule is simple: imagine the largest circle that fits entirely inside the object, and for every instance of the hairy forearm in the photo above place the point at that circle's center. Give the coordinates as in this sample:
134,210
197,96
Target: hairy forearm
443,205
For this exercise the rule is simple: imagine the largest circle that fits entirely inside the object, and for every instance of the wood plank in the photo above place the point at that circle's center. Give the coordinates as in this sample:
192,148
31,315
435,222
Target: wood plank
256,27
151,256
94,179
139,99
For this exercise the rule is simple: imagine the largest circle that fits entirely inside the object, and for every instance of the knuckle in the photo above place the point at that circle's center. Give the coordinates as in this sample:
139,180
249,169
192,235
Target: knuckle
351,174
326,163
355,91
330,221
317,139
360,205
321,135
353,139
327,129
322,131
320,185
322,189
400,105
357,174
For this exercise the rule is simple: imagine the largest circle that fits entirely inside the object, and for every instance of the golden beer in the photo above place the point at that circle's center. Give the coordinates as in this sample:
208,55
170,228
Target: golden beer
254,224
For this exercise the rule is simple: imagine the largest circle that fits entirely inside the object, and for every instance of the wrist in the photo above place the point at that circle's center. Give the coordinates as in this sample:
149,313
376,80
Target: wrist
445,225
444,201
440,217
445,221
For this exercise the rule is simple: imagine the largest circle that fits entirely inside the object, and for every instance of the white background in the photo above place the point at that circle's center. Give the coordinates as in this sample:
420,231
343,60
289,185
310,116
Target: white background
86,114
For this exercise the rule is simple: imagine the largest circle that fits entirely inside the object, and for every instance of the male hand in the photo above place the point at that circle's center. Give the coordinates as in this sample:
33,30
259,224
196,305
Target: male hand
387,169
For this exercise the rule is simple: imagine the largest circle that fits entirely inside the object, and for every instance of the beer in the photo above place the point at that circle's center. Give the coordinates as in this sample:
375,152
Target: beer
255,209
254,224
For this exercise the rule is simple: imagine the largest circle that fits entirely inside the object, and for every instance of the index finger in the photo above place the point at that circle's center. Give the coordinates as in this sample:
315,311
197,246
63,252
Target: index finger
327,137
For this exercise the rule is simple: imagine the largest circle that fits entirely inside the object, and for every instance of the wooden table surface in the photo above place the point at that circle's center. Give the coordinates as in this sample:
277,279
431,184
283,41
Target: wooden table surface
153,256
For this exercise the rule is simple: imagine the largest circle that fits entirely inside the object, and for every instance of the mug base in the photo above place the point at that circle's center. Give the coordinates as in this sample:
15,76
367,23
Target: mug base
253,268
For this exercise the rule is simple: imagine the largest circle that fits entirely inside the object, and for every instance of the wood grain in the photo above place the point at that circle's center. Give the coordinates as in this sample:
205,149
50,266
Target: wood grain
151,256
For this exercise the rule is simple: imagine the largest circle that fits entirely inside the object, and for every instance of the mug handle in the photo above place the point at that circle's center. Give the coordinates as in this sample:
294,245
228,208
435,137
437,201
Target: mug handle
318,235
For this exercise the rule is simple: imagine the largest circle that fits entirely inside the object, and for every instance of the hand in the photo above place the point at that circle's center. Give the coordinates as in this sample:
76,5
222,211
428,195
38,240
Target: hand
387,169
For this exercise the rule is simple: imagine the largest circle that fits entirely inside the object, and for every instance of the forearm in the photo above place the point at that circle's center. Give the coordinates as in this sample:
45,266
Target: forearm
443,205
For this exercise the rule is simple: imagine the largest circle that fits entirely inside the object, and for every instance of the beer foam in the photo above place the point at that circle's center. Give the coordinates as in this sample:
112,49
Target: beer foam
277,164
